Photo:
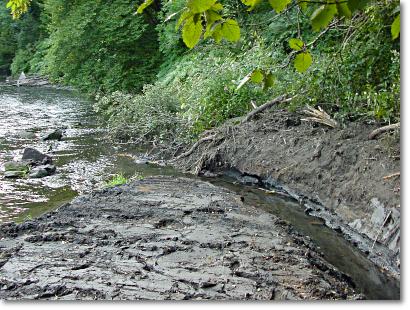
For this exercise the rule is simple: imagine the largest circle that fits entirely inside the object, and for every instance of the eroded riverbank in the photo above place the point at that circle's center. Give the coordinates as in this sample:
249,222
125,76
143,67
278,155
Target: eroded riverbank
85,159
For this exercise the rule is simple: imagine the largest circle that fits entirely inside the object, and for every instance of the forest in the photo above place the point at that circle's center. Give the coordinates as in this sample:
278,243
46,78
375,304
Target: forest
138,63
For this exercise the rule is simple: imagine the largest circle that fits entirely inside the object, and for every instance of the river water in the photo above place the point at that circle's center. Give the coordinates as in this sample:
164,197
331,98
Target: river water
86,159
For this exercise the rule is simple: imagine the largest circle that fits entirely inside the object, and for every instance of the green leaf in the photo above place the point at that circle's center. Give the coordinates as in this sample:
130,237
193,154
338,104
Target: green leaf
355,5
251,3
323,16
269,81
185,14
296,44
279,5
217,33
217,7
230,30
257,76
191,32
344,10
302,61
144,5
199,6
211,18
395,27
302,4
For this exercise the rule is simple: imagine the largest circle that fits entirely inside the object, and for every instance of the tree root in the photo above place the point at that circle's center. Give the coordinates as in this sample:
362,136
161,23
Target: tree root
383,129
193,148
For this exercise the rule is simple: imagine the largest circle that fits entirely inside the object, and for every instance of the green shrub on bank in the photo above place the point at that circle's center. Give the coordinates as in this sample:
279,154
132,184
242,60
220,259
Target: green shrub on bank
152,117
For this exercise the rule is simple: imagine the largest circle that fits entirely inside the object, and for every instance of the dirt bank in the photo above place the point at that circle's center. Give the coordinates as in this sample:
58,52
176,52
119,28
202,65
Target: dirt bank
163,238
339,174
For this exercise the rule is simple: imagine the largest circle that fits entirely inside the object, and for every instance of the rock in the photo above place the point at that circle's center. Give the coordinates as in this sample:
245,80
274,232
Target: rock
16,166
26,135
56,134
36,157
42,171
14,174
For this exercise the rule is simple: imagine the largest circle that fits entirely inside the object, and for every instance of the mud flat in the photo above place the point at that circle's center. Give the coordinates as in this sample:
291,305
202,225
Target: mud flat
163,238
339,175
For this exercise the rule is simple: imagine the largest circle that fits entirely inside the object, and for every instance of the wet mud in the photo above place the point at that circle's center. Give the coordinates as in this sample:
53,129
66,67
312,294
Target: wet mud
163,238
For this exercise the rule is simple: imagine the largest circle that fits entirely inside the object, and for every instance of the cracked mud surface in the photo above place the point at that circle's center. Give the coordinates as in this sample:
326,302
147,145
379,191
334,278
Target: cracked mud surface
163,238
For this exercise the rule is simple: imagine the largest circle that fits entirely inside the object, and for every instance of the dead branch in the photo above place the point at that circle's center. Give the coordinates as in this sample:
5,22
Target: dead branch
193,148
383,129
265,106
319,116
397,174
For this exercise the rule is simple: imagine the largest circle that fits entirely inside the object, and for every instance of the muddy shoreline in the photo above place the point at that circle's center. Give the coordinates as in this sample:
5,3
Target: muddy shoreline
163,238
337,174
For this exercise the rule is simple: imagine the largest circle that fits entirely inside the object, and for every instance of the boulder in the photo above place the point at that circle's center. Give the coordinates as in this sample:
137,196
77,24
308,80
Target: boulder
42,171
36,157
56,134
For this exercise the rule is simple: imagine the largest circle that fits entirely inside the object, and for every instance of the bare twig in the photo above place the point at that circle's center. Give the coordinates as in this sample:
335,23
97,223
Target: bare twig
383,129
381,229
265,106
397,174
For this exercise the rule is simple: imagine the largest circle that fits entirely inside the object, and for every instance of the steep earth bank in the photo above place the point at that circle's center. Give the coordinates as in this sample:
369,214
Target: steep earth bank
163,238
338,174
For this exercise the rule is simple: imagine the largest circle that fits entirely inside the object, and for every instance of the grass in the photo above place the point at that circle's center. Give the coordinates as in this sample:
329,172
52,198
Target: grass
117,179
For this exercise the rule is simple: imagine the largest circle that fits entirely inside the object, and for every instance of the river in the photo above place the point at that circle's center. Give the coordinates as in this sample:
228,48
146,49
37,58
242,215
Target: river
86,159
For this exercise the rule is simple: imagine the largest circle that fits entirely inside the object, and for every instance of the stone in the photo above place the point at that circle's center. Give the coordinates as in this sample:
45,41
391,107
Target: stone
56,134
42,171
36,157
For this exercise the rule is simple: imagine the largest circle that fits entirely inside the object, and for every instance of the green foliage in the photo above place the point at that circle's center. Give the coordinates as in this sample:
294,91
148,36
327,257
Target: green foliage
116,180
395,27
303,61
149,117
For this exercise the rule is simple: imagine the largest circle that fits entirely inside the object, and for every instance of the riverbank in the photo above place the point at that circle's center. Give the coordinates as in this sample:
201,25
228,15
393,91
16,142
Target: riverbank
339,175
163,238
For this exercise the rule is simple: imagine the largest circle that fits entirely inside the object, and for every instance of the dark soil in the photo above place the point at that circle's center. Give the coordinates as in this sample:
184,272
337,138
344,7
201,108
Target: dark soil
338,174
163,238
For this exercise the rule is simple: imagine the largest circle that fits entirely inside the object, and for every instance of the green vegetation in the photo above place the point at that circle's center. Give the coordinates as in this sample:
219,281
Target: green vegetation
117,179
161,76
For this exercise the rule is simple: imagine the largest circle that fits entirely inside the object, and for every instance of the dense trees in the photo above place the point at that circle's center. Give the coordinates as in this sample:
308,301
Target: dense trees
349,56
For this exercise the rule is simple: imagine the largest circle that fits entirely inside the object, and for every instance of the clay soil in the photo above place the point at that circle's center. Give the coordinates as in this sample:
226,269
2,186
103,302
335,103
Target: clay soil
163,238
339,174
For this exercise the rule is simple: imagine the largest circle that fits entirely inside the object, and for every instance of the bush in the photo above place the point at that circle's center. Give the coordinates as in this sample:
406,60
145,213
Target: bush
150,117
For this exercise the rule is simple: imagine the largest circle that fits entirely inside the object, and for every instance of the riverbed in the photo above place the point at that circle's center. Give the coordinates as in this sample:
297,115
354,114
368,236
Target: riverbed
86,159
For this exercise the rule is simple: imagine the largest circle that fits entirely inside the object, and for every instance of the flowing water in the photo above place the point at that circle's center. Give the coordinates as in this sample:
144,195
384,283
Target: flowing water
86,159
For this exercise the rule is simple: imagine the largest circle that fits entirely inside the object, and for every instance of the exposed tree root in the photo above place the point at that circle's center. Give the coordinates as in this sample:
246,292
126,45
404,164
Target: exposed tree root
383,129
193,148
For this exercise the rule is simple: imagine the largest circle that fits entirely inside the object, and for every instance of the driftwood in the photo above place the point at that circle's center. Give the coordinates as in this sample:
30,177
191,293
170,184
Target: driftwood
380,130
265,106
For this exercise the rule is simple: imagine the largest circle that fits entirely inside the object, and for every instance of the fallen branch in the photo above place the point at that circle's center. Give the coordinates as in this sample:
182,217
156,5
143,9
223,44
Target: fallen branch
319,116
380,130
265,106
391,176
193,148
